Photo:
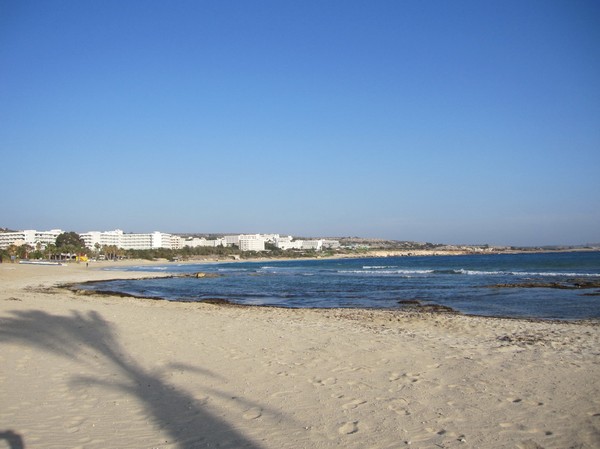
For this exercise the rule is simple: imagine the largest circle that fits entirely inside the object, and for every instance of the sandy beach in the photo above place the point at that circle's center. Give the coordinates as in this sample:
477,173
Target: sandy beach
89,371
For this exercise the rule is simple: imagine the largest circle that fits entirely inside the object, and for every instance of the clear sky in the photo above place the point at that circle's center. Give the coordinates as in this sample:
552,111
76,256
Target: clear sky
440,121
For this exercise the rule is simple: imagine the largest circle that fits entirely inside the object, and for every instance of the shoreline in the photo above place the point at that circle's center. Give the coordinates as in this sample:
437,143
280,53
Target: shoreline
428,308
94,372
403,305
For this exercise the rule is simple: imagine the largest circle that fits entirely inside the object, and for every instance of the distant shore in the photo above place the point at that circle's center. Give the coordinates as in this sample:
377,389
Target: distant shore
115,263
357,255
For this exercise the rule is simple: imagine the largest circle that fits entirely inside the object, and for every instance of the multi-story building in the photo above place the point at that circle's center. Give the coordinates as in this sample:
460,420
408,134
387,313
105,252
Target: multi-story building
231,240
176,242
97,239
137,241
253,242
287,243
12,238
29,237
317,245
106,238
331,244
196,242
131,241
270,237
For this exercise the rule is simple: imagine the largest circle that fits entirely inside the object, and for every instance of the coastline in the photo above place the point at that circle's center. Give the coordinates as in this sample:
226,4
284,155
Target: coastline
400,253
106,371
470,295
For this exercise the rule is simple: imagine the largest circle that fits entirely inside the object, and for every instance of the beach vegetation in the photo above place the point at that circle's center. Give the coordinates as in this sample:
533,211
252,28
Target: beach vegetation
36,254
67,246
183,253
19,251
50,251
70,239
112,252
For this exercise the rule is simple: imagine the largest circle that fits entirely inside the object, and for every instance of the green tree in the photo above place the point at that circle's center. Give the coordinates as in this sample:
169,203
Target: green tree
111,252
24,250
70,239
19,251
51,251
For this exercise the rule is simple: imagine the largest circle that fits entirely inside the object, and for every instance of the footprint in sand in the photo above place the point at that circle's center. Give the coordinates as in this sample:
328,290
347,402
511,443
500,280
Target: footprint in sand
353,404
348,428
283,393
406,377
394,376
253,413
320,382
399,406
74,423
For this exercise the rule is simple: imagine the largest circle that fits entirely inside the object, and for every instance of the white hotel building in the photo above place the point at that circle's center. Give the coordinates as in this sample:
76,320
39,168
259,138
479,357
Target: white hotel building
253,242
288,242
29,237
153,240
196,242
131,241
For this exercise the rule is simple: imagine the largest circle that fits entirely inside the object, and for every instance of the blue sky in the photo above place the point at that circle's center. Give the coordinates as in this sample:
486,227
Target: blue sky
440,121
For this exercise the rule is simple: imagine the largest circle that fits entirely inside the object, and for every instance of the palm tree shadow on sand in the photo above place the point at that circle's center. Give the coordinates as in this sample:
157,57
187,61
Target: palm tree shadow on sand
189,424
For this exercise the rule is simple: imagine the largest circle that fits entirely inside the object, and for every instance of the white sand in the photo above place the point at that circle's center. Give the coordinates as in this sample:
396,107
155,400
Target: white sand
111,372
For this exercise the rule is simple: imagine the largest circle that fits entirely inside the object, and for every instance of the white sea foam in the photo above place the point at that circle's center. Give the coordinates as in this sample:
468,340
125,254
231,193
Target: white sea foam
379,267
482,273
525,273
375,273
380,271
136,268
562,274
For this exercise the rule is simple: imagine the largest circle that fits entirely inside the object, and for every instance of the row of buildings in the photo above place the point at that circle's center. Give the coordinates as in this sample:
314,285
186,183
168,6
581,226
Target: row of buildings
154,240
257,242
29,237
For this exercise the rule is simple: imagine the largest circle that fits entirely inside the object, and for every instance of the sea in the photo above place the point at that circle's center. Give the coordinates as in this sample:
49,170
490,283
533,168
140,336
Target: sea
506,285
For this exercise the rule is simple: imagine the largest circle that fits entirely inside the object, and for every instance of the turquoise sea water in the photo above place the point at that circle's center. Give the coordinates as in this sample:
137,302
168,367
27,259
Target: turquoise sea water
464,283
